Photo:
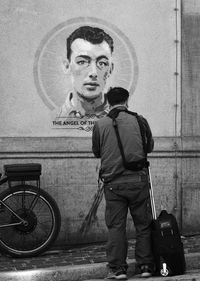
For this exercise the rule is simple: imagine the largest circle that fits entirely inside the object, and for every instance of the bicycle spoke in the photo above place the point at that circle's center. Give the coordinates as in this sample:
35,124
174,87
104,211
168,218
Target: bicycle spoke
39,227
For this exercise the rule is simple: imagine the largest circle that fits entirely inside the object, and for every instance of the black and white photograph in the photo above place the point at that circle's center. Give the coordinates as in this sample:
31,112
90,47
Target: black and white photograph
99,140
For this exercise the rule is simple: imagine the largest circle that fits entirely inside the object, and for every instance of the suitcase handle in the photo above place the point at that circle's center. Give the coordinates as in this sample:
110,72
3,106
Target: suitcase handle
153,208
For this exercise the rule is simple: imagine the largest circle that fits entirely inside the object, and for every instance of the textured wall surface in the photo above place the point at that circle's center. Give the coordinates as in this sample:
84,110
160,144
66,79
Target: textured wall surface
191,115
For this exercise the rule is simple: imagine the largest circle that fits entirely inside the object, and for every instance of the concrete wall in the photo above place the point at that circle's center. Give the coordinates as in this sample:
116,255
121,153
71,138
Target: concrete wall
152,30
190,115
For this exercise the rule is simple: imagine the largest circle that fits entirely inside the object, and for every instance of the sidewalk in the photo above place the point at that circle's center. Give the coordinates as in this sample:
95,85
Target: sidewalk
86,262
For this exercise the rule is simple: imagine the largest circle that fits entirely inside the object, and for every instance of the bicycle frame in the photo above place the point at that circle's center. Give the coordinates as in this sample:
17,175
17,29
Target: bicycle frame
11,224
22,221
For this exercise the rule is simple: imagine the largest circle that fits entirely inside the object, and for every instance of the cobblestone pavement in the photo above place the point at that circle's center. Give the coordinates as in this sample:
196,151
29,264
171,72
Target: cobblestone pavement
80,255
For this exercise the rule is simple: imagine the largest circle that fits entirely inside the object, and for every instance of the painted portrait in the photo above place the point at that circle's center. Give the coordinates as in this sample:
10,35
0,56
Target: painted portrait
75,66
89,62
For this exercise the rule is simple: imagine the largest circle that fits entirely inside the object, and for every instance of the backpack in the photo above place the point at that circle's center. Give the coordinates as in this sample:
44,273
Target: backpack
133,165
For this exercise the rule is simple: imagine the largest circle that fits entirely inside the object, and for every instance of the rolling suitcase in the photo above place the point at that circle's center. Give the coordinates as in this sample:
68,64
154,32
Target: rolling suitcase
166,241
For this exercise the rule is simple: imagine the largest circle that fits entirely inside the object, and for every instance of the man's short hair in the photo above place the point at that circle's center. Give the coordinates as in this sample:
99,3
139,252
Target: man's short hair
117,95
91,34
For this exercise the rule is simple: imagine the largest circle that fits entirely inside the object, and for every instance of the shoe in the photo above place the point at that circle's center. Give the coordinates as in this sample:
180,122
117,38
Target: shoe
146,271
118,275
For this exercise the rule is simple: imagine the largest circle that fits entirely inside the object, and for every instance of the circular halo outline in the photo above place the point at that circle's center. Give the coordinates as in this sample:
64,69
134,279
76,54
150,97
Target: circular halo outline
82,20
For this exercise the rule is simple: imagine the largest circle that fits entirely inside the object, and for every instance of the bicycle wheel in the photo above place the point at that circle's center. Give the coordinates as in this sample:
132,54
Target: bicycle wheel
42,217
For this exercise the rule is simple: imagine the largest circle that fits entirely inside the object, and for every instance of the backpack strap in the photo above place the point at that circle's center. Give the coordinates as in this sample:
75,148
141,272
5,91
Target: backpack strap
119,141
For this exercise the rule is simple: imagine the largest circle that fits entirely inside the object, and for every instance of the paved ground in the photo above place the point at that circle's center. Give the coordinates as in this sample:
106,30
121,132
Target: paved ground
88,254
83,262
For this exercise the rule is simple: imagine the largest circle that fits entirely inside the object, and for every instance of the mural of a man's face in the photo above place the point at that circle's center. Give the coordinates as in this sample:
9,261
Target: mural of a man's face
90,66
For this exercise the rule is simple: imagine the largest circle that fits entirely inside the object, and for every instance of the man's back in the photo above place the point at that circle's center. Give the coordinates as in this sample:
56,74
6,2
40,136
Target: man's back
105,144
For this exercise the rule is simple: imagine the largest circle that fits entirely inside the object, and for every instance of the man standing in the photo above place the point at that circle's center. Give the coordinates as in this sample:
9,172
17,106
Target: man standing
124,189
89,63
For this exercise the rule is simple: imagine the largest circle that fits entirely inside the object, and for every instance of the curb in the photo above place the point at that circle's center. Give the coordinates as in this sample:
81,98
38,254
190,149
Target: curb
68,273
62,273
96,271
189,276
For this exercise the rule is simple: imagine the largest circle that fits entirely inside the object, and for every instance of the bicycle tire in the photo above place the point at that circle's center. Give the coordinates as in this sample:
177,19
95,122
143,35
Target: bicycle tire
43,225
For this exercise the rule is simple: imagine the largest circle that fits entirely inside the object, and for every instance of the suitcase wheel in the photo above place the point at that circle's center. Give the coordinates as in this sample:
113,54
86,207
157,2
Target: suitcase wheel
164,271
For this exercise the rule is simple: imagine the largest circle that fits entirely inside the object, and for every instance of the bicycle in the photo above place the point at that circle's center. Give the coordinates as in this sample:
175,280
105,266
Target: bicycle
29,217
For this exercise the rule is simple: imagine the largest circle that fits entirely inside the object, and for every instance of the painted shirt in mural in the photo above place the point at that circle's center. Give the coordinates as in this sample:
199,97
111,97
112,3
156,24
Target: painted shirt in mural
79,108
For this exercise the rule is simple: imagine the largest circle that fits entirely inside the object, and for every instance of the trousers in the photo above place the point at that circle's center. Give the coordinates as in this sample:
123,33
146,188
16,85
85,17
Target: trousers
121,197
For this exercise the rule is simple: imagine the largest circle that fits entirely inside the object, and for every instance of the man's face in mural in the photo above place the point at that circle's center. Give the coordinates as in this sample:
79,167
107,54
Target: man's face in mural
90,66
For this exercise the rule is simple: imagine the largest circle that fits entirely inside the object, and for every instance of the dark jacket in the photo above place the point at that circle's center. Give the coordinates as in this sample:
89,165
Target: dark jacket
105,146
